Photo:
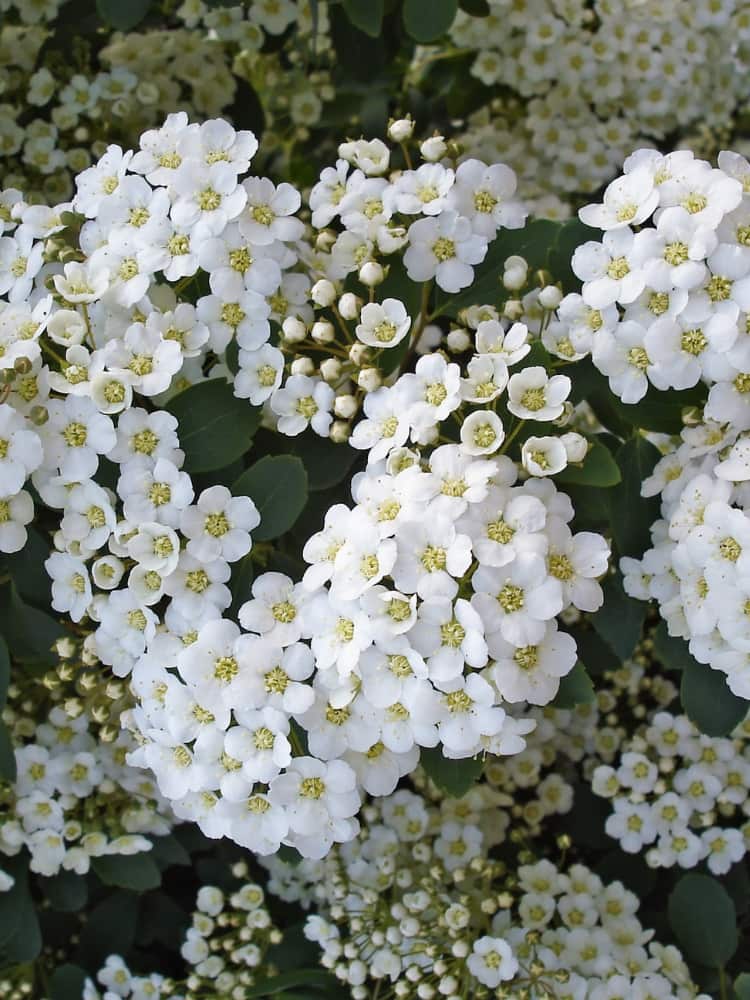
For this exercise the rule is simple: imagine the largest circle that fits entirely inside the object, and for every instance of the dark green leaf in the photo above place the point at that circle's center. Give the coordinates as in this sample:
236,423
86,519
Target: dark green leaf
575,689
327,464
703,918
27,570
593,652
215,427
7,756
20,937
671,651
168,851
707,700
620,619
4,671
109,930
477,8
66,891
277,484
123,14
632,515
313,978
30,633
661,411
66,982
367,15
597,469
428,20
240,583
570,235
128,871
454,777
742,986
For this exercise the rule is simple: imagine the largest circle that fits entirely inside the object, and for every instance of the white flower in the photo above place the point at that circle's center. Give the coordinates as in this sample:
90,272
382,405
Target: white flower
303,401
484,195
543,456
16,511
20,450
219,525
532,672
609,270
482,433
533,395
383,324
208,194
79,282
275,611
628,201
267,215
20,262
422,191
431,555
491,961
518,599
444,248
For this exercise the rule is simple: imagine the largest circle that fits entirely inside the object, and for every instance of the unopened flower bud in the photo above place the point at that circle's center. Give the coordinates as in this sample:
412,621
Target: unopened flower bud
369,379
434,148
293,329
323,292
303,366
325,240
330,369
359,354
514,279
400,129
345,406
349,305
550,297
371,273
575,446
340,431
458,341
323,331
513,309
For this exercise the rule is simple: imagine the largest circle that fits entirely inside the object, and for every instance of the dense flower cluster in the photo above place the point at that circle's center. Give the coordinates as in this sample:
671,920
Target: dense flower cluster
417,902
676,788
580,85
74,797
57,110
225,949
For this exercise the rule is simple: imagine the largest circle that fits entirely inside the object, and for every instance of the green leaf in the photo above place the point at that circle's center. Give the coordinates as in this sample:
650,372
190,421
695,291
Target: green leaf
30,633
632,515
27,570
327,464
128,871
313,978
575,689
7,756
620,619
215,427
707,700
703,918
671,651
428,20
597,469
477,8
20,937
66,891
367,15
240,583
168,851
277,484
742,986
454,777
4,671
123,14
66,982
109,930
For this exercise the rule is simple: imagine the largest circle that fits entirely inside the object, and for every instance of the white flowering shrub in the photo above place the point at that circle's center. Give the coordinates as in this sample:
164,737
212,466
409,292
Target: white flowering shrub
373,586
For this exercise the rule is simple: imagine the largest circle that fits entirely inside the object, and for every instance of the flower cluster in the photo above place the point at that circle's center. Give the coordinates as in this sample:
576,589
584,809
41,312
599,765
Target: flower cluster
416,901
666,304
577,85
75,96
225,949
74,797
682,791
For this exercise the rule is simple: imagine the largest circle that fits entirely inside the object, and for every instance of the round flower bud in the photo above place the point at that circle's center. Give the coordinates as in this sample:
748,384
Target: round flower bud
325,240
575,446
303,366
514,279
400,129
345,406
340,431
434,148
458,340
323,292
369,379
323,331
349,305
515,262
293,329
330,369
513,309
359,354
550,297
371,273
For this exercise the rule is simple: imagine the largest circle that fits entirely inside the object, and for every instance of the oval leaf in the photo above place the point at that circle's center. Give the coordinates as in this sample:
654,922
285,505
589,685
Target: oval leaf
703,919
134,871
4,671
123,15
215,427
575,689
367,15
632,514
597,469
427,20
707,700
277,484
454,777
